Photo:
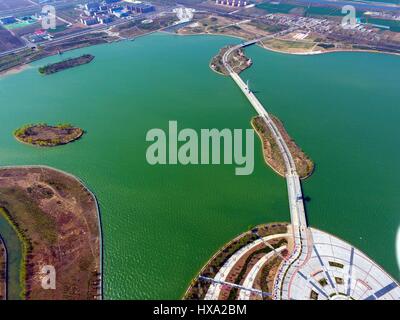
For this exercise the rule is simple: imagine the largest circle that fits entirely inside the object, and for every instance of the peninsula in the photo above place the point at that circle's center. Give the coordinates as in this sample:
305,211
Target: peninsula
66,64
44,135
57,221
272,154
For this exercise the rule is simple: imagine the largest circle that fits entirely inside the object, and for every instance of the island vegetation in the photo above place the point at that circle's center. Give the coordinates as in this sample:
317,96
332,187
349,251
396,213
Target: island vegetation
272,154
57,221
237,60
66,64
3,270
44,135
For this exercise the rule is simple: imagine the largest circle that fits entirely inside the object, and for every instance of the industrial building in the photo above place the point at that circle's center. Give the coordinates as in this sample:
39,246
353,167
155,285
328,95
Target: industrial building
89,21
115,9
96,12
140,7
122,13
104,19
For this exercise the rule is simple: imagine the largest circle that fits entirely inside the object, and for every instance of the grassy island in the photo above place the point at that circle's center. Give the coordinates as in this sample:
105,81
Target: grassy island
237,60
66,64
3,270
44,135
57,221
272,155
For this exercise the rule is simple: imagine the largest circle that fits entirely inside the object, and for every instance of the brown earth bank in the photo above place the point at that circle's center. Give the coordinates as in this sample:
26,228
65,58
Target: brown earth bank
237,60
57,221
44,135
272,154
198,288
3,270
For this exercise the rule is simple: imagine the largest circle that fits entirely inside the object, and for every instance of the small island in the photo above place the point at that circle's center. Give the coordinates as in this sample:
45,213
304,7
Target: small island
272,154
44,135
237,60
66,64
57,221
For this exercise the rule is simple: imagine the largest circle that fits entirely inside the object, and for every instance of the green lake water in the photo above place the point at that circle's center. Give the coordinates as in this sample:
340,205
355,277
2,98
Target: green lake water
161,223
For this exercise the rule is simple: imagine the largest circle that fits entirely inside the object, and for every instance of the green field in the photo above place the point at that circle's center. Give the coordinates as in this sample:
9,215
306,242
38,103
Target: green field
19,24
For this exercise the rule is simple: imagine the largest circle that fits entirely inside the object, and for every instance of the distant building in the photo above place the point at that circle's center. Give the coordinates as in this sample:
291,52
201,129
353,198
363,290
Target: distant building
232,3
140,7
100,13
111,1
7,20
115,9
92,6
89,21
121,14
105,19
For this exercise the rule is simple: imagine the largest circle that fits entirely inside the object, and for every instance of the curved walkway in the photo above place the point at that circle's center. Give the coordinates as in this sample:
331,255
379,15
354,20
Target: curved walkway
251,277
215,289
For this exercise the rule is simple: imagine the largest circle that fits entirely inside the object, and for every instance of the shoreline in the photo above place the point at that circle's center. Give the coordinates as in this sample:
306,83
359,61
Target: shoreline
98,213
14,70
314,53
284,52
22,67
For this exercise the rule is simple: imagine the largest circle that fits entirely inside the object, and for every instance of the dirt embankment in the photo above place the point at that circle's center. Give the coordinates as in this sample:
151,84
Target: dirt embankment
58,224
44,135
272,154
237,60
3,270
